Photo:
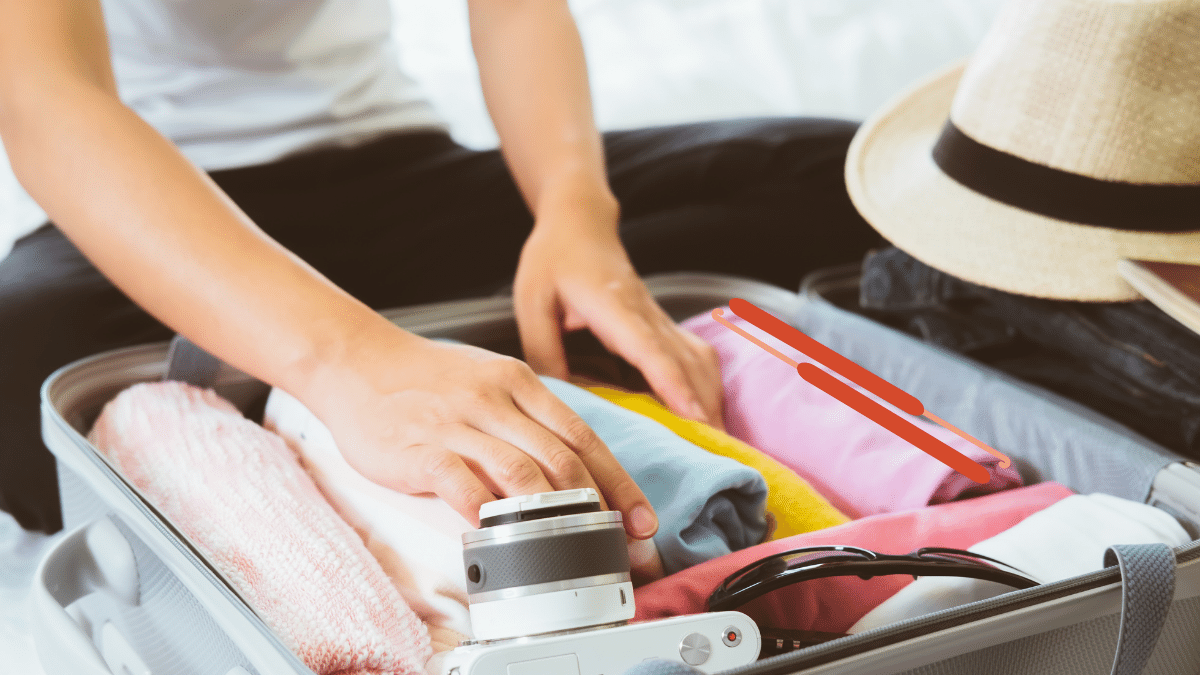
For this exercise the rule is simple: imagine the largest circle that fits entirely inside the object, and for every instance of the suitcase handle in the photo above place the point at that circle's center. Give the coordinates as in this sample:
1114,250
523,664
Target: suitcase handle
1147,590
91,558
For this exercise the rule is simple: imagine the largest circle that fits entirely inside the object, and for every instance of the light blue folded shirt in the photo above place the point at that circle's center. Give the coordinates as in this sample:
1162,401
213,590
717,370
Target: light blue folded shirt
707,505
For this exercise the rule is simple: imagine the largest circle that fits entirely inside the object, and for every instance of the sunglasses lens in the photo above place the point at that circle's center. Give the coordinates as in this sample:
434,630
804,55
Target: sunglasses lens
970,559
810,557
957,557
775,566
963,557
761,572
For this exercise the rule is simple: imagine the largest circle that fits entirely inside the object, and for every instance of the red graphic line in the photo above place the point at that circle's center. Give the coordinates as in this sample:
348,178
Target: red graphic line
893,422
1004,463
827,357
720,317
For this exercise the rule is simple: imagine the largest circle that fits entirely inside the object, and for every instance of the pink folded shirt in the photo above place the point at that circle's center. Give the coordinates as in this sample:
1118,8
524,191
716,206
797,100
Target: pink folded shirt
237,492
834,604
862,468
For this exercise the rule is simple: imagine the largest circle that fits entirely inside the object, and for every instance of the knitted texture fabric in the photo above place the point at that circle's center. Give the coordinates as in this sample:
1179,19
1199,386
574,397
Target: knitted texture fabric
240,495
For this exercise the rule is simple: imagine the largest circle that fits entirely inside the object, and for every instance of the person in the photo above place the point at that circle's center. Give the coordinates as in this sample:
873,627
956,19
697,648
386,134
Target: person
260,176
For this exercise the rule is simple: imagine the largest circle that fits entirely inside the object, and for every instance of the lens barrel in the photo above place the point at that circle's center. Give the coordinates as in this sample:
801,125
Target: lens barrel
542,572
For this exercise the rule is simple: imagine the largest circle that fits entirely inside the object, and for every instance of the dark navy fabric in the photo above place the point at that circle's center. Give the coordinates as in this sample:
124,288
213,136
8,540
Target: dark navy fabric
1128,361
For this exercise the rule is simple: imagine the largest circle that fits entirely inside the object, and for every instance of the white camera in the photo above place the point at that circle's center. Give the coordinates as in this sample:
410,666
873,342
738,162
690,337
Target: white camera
550,594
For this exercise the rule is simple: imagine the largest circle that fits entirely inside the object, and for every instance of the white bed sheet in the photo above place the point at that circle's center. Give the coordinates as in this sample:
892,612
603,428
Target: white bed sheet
651,62
20,552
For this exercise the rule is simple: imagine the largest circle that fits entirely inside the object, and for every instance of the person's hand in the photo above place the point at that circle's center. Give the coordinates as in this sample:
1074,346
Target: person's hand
465,424
574,274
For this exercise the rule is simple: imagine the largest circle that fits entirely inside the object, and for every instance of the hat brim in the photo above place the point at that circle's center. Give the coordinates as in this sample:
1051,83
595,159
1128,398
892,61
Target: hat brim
901,192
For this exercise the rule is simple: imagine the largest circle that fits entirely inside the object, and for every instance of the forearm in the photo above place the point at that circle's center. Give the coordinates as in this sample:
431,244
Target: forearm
534,78
163,232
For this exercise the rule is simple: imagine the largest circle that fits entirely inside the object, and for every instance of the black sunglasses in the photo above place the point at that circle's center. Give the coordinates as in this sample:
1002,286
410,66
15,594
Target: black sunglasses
815,562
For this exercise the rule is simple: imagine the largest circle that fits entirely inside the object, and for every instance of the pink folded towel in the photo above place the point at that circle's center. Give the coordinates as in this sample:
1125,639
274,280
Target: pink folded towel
862,468
239,494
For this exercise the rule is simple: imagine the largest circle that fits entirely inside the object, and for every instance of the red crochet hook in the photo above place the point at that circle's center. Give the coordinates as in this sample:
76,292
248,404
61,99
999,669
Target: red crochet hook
864,378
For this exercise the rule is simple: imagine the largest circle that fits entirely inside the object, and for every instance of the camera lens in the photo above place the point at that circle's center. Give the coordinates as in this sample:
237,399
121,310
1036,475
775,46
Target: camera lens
546,563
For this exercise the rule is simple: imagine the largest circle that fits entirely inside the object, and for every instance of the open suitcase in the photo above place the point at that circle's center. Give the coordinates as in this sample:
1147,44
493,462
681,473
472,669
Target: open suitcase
124,593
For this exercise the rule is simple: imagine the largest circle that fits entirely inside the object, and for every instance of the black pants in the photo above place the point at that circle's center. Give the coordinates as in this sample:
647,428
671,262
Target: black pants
416,218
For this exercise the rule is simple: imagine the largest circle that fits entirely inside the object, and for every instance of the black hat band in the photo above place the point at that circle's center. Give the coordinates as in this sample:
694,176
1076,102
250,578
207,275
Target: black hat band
1062,195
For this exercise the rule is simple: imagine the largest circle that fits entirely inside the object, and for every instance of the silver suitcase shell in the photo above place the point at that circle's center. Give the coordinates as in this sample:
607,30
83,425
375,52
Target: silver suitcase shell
184,618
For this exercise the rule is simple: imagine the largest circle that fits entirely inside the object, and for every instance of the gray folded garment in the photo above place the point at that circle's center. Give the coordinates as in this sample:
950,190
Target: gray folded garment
707,505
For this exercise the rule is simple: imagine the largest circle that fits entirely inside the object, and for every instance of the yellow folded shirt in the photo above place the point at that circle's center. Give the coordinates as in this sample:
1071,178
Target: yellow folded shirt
796,506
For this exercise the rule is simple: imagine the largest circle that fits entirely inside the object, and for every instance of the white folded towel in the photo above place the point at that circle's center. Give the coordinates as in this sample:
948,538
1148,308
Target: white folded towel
391,524
1064,540
417,539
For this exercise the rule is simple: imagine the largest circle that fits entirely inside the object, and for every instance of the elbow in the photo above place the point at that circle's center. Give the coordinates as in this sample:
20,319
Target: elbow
9,126
21,96
37,115
18,122
7,103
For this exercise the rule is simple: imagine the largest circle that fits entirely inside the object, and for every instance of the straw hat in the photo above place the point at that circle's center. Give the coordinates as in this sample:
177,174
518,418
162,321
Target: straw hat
1070,140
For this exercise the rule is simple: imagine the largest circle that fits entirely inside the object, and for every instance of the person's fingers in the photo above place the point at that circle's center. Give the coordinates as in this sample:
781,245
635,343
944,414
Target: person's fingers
559,463
645,563
674,345
706,377
442,472
644,344
500,415
505,469
538,319
669,379
621,492
613,483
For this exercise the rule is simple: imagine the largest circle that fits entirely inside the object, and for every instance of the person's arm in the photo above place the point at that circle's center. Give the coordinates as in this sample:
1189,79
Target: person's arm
574,272
408,413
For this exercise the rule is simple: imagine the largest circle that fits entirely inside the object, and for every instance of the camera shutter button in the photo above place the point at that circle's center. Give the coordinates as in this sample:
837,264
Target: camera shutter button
695,649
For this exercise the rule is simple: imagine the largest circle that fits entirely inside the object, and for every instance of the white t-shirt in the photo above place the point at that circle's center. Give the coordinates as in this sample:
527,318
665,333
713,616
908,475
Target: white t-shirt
241,82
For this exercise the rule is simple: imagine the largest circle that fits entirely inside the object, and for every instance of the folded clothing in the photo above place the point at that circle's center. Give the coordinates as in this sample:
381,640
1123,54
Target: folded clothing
707,505
795,505
239,494
834,604
1063,541
416,538
862,468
